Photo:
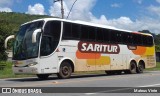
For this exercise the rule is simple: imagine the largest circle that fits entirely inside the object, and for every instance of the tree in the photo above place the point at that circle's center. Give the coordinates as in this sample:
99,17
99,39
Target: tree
147,31
5,31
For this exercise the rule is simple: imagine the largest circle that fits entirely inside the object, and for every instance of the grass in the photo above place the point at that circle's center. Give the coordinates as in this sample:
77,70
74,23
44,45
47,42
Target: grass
8,73
157,68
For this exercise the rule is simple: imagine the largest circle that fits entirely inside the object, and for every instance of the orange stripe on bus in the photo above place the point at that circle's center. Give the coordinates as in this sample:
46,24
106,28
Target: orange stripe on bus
81,55
139,51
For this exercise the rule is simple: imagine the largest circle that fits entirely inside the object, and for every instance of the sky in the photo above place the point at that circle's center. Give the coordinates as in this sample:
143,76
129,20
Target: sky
134,15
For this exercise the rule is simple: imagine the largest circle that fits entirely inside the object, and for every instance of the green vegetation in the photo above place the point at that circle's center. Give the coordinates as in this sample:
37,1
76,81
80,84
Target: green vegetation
157,68
9,25
7,71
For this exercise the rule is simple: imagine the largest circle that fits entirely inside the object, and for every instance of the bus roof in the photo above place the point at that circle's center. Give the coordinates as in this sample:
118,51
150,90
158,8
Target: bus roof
86,23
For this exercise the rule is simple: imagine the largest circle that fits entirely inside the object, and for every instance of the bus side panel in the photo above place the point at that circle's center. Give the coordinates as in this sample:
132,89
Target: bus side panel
49,64
104,62
69,49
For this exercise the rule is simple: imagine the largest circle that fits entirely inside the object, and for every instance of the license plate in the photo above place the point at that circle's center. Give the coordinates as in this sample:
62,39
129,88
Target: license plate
20,70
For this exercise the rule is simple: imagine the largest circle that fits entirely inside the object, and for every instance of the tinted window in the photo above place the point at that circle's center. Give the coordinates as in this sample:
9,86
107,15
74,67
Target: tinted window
150,41
115,36
139,39
106,35
50,37
102,35
67,31
147,40
76,30
71,31
84,32
127,38
91,33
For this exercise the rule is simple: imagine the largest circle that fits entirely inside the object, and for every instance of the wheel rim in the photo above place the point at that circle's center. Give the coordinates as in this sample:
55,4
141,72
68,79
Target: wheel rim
65,70
133,67
141,68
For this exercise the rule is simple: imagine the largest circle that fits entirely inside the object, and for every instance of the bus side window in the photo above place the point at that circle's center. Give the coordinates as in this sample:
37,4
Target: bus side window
92,33
135,39
106,34
67,32
127,38
84,33
99,35
150,41
76,30
139,40
145,41
115,36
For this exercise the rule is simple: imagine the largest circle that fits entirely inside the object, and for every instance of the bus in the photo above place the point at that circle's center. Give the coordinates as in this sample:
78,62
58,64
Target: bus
58,46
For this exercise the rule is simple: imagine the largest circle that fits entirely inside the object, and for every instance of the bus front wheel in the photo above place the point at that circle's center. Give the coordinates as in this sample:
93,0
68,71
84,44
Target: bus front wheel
65,70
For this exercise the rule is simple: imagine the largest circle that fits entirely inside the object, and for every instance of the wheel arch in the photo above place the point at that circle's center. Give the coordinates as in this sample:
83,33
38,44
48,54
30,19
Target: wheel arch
67,60
142,62
132,60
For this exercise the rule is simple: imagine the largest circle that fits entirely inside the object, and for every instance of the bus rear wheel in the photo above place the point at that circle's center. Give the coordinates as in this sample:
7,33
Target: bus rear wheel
133,68
140,68
65,70
42,76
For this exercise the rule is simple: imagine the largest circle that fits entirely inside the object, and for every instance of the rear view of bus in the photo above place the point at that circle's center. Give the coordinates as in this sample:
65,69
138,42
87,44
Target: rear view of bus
48,46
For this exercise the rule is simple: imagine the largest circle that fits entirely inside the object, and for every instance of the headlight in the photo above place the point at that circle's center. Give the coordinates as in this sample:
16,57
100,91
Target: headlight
32,64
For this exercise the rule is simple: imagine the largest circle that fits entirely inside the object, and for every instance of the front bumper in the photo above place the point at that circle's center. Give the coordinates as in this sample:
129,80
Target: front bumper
25,70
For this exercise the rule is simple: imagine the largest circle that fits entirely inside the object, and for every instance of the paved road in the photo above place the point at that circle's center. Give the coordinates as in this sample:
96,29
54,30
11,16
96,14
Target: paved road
147,79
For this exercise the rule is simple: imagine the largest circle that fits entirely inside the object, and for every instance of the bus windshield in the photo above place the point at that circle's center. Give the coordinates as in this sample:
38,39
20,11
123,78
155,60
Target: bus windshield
23,46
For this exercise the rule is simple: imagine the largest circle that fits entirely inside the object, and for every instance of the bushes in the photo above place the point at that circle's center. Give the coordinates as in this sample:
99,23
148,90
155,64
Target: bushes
4,32
9,25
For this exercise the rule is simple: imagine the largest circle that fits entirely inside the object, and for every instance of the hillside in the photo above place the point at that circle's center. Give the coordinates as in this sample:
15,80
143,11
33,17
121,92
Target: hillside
16,19
9,25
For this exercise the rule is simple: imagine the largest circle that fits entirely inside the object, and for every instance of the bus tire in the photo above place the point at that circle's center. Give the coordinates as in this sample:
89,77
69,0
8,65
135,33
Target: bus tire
65,70
140,67
42,76
133,68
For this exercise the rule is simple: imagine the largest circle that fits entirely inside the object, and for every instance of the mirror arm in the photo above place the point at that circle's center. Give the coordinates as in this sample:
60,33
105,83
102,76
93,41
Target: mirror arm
6,40
35,34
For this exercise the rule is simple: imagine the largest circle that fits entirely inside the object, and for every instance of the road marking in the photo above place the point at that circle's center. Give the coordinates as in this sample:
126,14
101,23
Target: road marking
90,93
150,85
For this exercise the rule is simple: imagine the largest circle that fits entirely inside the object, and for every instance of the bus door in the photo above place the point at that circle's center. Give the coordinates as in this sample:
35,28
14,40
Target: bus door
49,43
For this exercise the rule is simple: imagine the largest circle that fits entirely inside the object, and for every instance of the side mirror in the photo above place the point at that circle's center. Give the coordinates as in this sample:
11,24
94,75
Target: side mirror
34,35
6,40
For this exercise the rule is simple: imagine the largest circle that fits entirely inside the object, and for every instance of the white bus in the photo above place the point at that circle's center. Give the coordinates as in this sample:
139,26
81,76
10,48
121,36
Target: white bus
57,46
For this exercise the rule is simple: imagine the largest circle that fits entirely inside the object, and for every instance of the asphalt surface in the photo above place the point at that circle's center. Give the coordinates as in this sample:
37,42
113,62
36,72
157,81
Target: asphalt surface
98,84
